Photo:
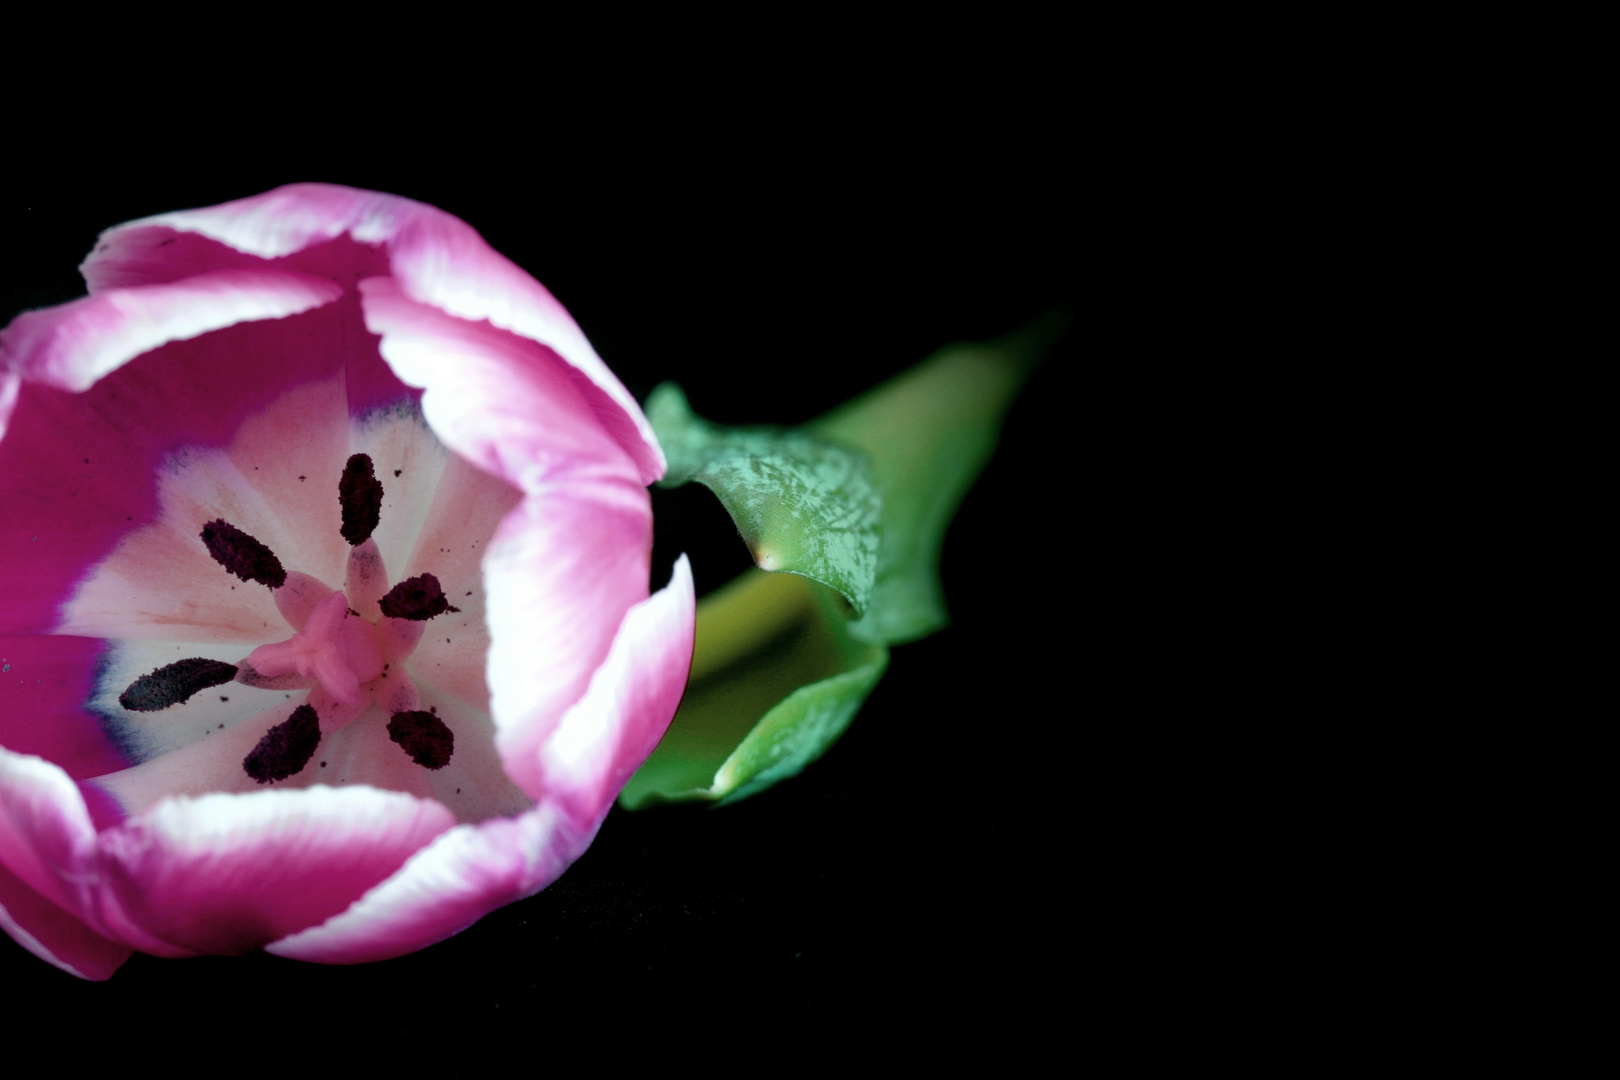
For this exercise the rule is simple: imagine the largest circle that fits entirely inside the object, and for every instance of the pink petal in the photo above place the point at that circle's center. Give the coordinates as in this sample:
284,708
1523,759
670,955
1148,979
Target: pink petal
228,873
506,404
606,736
72,345
55,936
10,384
438,260
441,261
564,569
276,224
46,837
445,888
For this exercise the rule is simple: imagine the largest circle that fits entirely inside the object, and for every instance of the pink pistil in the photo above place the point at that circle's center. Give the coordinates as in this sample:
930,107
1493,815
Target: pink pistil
339,650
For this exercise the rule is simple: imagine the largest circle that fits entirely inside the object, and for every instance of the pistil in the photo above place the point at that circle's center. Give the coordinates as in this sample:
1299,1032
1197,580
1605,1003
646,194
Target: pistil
337,649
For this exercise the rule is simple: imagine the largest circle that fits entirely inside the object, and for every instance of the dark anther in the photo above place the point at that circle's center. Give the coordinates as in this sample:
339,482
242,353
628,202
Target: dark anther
285,748
173,683
423,736
361,494
418,598
242,555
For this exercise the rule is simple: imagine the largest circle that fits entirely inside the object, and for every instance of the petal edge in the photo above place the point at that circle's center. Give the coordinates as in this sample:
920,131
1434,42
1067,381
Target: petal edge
445,888
72,345
54,935
604,738
225,874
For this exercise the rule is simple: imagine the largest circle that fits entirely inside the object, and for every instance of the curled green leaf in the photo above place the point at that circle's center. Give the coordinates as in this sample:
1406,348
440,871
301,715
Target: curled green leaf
803,505
929,432
782,664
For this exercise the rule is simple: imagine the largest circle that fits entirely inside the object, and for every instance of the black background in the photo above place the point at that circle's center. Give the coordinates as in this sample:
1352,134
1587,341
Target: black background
927,866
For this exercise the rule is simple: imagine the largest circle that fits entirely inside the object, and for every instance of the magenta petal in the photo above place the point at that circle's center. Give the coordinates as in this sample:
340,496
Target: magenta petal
606,736
437,258
44,684
228,873
445,888
564,569
10,384
440,260
54,935
278,223
46,837
74,344
508,405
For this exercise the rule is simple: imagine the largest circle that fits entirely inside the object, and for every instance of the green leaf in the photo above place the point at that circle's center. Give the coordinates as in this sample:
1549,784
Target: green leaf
782,664
776,678
928,432
803,505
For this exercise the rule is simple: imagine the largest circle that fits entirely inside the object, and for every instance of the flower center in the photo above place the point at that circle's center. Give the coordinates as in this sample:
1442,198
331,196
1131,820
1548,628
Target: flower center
336,648
348,645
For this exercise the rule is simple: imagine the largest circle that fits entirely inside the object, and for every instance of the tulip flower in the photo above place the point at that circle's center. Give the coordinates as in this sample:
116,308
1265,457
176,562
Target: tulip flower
325,623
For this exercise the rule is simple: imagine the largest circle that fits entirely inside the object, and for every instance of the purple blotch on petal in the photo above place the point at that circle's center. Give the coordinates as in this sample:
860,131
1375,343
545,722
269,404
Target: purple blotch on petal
242,555
361,494
424,737
285,748
173,683
418,599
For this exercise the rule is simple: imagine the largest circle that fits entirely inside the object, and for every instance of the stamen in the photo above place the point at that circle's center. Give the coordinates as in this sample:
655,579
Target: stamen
173,683
248,675
424,737
366,580
361,494
242,555
418,598
285,748
299,597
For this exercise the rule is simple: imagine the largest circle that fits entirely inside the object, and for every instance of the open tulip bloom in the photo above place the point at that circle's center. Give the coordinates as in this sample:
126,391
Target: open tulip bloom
325,622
